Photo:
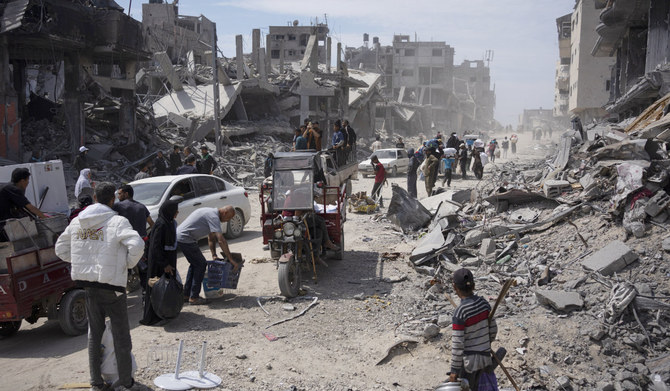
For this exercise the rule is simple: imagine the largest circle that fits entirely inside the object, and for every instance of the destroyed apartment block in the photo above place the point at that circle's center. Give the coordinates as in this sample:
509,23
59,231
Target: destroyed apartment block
95,46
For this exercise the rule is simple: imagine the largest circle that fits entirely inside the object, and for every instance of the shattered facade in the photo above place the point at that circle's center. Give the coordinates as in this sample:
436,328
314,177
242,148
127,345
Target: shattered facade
636,36
96,46
562,84
589,76
289,43
472,88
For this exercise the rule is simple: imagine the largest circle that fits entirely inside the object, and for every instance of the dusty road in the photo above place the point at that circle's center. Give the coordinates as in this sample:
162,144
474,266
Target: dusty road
335,346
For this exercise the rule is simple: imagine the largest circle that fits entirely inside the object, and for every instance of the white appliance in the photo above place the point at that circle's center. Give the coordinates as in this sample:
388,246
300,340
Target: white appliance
43,175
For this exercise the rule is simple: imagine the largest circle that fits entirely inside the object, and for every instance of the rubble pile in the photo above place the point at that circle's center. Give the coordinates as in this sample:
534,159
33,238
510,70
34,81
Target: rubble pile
585,236
44,139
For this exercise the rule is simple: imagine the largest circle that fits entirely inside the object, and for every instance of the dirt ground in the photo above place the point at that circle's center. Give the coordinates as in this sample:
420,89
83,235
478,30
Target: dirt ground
334,346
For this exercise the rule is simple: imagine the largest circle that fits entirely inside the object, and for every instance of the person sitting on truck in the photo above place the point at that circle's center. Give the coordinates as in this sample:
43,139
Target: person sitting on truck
102,246
339,143
13,200
351,135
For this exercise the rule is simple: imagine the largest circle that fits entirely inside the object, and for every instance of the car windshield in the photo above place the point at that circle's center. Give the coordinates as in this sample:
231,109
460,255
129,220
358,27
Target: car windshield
386,154
292,190
149,193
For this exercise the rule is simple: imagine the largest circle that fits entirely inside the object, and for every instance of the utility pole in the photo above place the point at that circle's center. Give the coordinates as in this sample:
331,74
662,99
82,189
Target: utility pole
215,74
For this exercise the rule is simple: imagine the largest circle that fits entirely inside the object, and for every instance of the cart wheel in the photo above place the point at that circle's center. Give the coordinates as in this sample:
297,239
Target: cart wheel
7,329
289,278
72,313
339,255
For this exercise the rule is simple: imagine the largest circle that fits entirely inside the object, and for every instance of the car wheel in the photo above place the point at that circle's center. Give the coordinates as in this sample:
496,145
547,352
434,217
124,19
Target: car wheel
235,225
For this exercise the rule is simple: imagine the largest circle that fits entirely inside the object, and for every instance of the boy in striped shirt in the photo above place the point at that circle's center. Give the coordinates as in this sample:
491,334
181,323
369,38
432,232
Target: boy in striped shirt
472,332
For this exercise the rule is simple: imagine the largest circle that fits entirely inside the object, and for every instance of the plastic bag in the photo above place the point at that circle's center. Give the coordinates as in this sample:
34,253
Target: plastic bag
167,297
487,382
108,368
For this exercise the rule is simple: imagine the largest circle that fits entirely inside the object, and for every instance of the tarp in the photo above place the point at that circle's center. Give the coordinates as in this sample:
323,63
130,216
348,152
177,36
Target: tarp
406,212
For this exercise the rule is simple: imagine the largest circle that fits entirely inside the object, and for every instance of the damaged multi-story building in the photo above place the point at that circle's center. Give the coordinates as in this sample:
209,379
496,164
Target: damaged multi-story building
71,63
562,82
635,36
589,75
423,88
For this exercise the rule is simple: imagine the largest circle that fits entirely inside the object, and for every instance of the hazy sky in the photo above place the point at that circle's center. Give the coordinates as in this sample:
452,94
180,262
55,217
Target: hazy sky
522,33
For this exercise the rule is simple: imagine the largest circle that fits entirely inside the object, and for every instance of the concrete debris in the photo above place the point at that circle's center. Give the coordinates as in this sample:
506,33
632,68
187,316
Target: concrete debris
560,300
610,259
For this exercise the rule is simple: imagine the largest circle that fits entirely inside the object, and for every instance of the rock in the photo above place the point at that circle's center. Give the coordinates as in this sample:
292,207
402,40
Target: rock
431,330
635,340
610,259
427,270
560,300
604,386
268,366
359,296
443,320
394,279
488,247
628,385
563,382
597,334
288,307
241,356
666,244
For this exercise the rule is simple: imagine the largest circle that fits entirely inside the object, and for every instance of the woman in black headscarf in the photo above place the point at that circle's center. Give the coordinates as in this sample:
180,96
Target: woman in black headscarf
162,253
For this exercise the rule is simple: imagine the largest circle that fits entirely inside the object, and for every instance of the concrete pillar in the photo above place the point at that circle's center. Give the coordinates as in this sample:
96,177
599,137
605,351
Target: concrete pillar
328,54
262,68
314,58
255,48
281,56
127,115
268,57
339,57
239,57
304,107
72,104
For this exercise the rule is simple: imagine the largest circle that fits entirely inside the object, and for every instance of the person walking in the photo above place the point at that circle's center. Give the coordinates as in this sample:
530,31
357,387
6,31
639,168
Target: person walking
144,172
161,253
188,167
430,169
208,162
160,164
83,184
380,177
102,246
447,164
202,222
81,160
492,150
505,147
513,140
472,332
453,141
377,144
415,159
175,160
463,160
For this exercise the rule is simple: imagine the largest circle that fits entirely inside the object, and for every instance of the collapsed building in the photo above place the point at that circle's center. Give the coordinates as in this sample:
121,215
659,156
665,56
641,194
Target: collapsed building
423,89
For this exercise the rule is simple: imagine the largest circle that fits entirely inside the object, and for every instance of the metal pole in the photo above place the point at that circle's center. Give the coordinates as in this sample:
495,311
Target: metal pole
215,71
201,369
179,353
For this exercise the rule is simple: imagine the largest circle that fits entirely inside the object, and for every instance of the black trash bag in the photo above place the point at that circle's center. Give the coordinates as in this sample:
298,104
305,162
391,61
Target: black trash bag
167,297
407,212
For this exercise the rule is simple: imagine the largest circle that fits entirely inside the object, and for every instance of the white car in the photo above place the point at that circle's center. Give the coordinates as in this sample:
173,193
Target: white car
395,160
197,191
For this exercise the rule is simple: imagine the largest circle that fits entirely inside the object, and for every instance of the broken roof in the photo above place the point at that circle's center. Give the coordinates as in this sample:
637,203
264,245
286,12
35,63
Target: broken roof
196,101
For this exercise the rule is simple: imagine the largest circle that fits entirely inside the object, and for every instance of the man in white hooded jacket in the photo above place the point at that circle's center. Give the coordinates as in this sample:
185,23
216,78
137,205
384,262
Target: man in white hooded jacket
102,246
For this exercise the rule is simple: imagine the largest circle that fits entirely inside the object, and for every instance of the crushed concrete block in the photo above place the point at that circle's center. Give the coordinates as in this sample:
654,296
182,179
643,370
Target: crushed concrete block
475,236
560,300
554,188
610,259
428,244
443,320
666,244
488,247
657,204
563,382
660,218
471,262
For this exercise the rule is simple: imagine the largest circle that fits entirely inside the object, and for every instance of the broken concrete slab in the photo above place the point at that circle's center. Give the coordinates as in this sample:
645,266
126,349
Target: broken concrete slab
488,247
197,101
610,259
475,236
515,197
560,300
442,202
554,188
433,241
